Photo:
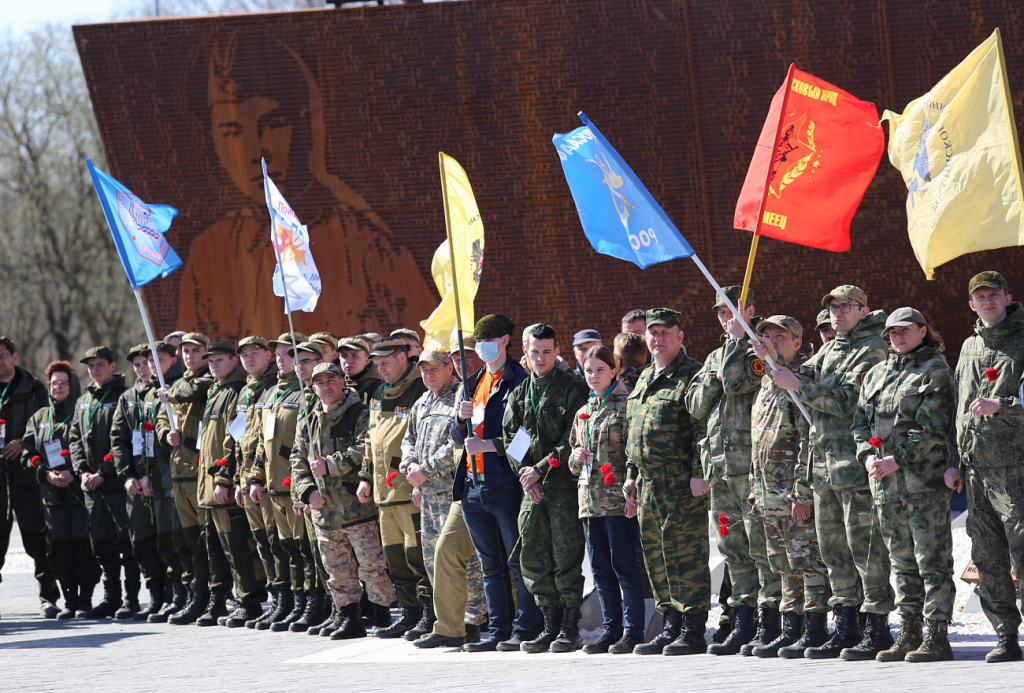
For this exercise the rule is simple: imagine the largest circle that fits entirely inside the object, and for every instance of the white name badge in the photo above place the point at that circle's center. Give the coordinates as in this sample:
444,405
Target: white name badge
269,424
199,435
478,414
519,446
136,442
52,451
150,437
237,427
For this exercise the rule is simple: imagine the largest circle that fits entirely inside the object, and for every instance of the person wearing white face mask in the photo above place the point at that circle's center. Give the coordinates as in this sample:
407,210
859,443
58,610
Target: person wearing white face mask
490,490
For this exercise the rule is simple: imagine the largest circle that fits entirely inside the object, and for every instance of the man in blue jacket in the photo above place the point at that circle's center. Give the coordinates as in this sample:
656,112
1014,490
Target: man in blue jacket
490,489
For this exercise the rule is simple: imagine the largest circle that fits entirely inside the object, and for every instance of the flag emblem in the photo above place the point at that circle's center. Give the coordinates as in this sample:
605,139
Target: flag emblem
793,154
146,239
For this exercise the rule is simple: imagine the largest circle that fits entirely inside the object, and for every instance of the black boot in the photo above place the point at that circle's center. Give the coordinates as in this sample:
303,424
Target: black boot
673,621
351,625
172,605
743,631
48,596
815,635
132,585
271,612
769,627
792,628
1006,650
552,626
377,616
246,611
85,591
847,634
409,617
156,601
332,623
70,591
568,639
877,638
318,609
691,638
297,600
215,607
603,644
111,600
194,608
425,624
725,624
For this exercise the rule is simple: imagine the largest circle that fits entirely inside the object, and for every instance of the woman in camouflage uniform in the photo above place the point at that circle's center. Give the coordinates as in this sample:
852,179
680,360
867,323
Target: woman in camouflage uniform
901,427
598,439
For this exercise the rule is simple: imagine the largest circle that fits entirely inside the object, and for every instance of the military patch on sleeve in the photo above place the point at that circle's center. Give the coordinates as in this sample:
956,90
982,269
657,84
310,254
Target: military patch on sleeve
757,365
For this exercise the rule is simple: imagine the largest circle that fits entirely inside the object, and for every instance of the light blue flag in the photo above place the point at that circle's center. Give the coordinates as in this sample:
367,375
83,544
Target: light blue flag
138,229
619,216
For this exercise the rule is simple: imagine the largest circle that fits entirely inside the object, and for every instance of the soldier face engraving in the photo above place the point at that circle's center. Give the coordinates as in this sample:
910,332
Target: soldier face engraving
245,131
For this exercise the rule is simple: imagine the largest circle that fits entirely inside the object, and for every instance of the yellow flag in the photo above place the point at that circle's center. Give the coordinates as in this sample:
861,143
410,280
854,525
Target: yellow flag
957,149
466,244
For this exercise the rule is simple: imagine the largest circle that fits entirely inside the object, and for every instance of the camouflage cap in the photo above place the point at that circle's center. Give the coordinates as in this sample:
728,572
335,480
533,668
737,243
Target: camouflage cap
220,346
993,280
285,339
436,357
163,347
733,292
904,317
252,340
354,344
824,320
468,341
324,338
388,346
846,292
406,332
664,316
308,347
787,323
99,352
9,343
328,368
493,327
137,350
197,338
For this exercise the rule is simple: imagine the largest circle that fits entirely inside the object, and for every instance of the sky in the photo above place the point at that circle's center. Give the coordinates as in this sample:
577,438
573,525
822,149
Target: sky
18,16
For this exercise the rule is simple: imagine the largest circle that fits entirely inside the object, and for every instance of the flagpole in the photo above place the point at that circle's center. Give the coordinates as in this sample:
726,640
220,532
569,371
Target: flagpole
764,195
172,418
455,291
746,327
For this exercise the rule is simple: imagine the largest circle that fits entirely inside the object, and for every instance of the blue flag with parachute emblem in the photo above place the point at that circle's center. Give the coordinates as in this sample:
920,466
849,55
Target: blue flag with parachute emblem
138,230
619,215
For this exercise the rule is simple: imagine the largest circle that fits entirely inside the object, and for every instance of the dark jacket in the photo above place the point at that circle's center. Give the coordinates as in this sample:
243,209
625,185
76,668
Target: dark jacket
130,420
26,395
160,469
90,432
43,426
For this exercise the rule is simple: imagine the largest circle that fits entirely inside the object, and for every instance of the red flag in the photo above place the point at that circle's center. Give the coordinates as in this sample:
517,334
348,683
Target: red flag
817,153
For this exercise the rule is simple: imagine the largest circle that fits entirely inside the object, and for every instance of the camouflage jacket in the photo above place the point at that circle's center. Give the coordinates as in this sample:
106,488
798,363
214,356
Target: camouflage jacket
663,437
996,440
216,443
340,435
629,377
272,464
557,397
428,440
256,396
830,387
188,396
127,432
778,475
389,415
604,433
90,432
723,392
909,402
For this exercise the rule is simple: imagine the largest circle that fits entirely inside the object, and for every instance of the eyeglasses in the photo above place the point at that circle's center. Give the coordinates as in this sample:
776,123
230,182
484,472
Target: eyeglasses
842,307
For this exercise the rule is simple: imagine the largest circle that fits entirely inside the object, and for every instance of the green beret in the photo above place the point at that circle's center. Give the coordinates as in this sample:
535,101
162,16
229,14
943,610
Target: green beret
493,327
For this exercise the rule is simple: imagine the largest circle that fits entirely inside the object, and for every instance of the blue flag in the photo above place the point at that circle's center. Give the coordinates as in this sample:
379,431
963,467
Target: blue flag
138,229
619,216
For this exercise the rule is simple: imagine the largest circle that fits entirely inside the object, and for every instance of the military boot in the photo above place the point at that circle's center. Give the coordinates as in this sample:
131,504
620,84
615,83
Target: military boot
156,601
769,627
1006,650
877,637
725,622
603,644
673,625
376,616
172,604
626,644
332,623
936,645
792,627
846,634
285,619
215,607
552,626
194,608
111,600
909,640
815,635
691,637
85,591
271,612
318,609
425,624
568,639
351,624
410,616
248,610
132,586
70,591
743,631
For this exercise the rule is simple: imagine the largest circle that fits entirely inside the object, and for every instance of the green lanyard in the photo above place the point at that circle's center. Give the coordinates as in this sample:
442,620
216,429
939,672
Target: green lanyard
590,421
92,412
362,388
533,399
3,395
209,398
284,394
62,423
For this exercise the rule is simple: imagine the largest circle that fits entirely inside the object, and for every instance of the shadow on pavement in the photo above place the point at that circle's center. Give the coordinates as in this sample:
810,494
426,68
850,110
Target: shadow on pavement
69,641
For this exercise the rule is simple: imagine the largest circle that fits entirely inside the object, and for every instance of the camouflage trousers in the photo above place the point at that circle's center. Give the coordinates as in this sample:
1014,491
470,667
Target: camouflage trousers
268,543
232,527
920,540
793,554
853,549
996,528
351,555
452,565
674,536
753,582
553,547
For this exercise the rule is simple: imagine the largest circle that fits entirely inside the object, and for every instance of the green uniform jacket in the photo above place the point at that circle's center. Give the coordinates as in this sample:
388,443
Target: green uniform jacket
340,435
367,384
161,477
132,411
272,464
997,440
90,432
256,396
216,443
663,437
723,392
778,475
188,395
604,432
557,397
830,387
44,425
389,416
909,402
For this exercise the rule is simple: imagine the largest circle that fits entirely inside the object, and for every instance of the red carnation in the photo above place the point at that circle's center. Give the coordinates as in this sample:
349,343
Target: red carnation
554,463
34,461
723,530
875,442
222,462
390,478
609,479
65,453
197,459
147,425
584,416
722,519
991,374
605,469
287,482
3,422
109,457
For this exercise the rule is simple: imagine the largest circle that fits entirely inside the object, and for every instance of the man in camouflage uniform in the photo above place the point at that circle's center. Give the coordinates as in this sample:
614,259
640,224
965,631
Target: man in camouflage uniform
782,501
989,438
543,408
429,458
360,373
824,326
723,392
848,534
325,478
664,470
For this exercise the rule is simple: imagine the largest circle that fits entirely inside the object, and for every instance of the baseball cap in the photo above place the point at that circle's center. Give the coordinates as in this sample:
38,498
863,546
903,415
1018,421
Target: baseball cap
388,346
329,368
309,347
252,340
846,292
903,317
824,320
435,356
584,336
787,323
993,280
220,346
197,338
734,293
99,352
